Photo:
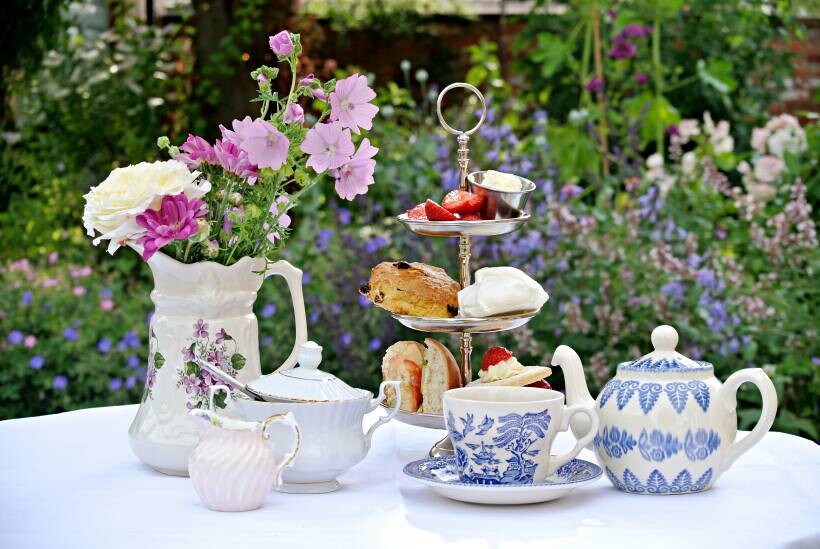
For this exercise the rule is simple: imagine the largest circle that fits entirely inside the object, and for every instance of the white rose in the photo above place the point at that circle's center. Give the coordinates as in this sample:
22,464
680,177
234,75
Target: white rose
688,163
112,206
768,168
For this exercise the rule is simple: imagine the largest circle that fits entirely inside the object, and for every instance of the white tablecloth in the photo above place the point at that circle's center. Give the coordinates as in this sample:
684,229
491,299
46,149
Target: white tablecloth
70,480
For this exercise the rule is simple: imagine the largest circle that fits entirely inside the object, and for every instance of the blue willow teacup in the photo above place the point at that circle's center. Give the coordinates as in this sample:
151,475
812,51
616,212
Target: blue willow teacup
503,435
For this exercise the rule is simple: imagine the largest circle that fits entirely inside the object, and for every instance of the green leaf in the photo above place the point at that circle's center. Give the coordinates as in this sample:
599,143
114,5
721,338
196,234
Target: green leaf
192,368
220,398
550,52
159,360
238,361
717,74
574,151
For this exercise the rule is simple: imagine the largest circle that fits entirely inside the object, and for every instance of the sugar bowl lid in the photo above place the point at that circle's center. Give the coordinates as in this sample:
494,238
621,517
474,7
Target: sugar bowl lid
305,383
664,358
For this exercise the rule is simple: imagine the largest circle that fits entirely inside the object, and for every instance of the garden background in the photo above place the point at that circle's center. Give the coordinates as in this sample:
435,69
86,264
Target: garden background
670,190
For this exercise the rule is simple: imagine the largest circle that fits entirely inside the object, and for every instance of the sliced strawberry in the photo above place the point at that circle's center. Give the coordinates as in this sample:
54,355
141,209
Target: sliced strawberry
470,217
462,202
437,213
540,384
494,355
417,212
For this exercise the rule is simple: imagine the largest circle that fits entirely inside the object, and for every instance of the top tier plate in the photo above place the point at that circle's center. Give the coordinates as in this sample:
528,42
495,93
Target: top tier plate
492,227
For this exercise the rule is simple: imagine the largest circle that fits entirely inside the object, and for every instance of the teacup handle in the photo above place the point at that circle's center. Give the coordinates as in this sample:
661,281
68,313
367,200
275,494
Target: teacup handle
212,391
289,420
728,397
293,277
378,400
589,411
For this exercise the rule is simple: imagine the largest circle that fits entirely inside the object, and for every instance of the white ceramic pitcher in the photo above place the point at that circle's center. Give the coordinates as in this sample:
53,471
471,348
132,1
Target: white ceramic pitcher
203,311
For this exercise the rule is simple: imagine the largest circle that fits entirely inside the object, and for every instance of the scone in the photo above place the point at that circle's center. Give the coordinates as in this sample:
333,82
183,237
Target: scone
439,373
402,362
413,289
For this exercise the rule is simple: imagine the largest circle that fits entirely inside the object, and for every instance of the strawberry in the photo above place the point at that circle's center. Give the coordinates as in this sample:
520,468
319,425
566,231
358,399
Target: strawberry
493,356
470,217
437,213
540,384
417,212
462,202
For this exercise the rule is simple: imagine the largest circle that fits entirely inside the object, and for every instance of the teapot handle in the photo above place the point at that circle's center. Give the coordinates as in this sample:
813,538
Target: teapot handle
293,277
728,396
289,420
378,400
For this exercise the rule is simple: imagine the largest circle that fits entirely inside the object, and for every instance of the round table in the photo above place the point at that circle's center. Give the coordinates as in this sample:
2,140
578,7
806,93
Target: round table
70,480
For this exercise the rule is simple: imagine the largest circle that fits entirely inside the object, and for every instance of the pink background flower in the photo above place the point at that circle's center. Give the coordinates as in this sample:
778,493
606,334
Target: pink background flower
329,146
349,103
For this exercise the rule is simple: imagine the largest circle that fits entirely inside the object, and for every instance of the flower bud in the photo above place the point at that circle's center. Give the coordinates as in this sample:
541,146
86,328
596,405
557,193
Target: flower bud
235,199
204,229
405,65
210,248
220,194
163,142
421,75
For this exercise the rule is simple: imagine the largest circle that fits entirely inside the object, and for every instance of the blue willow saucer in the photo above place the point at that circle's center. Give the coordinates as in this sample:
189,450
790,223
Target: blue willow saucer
441,474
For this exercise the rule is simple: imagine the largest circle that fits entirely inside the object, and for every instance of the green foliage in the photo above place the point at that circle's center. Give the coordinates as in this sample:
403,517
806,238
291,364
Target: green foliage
387,17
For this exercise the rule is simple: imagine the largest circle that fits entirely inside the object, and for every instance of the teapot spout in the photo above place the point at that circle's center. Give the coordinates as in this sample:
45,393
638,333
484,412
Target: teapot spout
576,386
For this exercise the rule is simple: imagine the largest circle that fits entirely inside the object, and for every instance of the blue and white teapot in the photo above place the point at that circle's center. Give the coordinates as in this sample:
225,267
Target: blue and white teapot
667,424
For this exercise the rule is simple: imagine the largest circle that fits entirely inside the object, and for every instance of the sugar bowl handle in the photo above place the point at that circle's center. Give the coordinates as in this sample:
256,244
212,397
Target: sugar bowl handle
728,397
289,420
378,400
293,277
589,411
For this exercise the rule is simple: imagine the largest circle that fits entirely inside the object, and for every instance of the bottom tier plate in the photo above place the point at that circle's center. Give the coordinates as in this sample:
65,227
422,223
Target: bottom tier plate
428,421
441,475
469,325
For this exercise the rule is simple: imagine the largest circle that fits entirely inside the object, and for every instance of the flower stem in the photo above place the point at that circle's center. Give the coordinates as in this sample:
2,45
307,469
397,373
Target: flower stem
292,64
658,69
601,96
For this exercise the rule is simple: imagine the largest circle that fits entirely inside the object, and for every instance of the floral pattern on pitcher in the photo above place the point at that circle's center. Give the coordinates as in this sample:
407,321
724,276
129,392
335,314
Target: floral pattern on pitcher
155,361
220,351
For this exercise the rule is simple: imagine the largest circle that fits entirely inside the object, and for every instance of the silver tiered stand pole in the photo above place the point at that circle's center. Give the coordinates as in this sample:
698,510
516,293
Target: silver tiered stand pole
445,446
464,230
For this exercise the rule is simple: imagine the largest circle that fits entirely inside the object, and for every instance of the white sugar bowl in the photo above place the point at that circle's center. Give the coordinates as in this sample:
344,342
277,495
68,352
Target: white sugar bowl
667,424
329,413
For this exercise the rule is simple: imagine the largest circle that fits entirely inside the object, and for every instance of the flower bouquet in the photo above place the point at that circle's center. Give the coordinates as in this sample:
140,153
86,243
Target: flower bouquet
230,199
209,221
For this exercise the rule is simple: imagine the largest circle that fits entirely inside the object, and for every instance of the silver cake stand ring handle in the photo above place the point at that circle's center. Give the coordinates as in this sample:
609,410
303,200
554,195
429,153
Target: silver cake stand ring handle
477,93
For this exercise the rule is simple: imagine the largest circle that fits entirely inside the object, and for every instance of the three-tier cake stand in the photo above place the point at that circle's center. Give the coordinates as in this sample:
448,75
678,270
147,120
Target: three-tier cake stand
464,230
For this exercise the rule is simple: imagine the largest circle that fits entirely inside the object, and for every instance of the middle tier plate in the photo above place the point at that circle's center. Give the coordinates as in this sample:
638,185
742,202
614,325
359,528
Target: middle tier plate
466,325
488,227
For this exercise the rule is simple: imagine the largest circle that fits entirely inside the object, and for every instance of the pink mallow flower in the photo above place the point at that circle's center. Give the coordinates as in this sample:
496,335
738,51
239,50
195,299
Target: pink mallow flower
329,146
280,43
294,114
195,151
356,175
235,160
349,103
106,304
265,146
307,80
283,220
175,220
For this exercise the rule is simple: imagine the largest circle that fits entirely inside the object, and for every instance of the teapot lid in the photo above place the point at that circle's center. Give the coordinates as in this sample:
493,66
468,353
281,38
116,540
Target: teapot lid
306,383
664,358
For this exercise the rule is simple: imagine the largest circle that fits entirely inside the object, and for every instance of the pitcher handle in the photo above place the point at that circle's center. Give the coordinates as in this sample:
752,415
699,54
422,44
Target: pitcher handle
378,400
589,411
728,396
289,420
293,277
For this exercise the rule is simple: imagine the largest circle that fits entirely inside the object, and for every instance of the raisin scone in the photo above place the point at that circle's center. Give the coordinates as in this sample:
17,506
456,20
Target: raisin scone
413,289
